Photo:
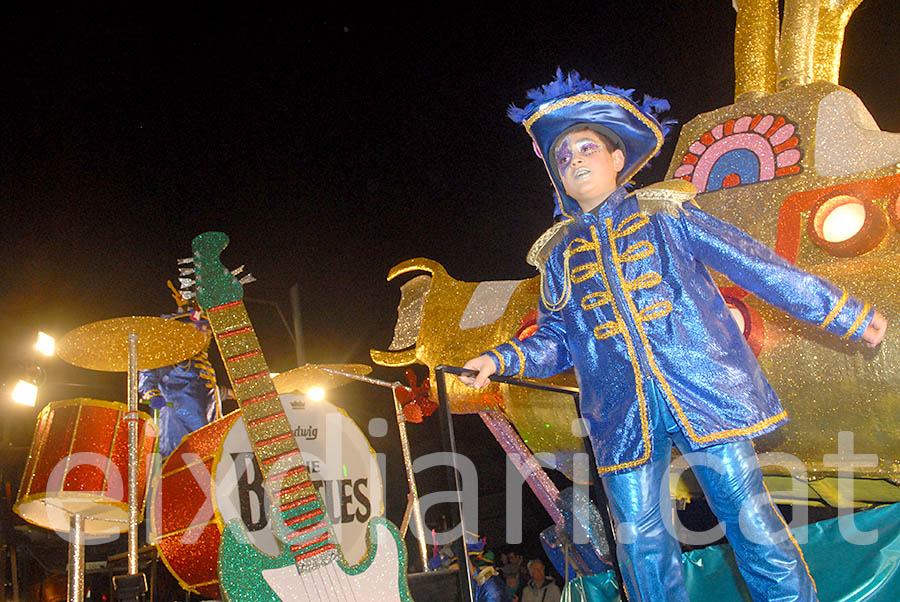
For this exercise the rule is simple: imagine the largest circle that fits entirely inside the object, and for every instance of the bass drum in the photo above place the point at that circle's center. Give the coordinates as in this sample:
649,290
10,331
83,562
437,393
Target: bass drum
212,477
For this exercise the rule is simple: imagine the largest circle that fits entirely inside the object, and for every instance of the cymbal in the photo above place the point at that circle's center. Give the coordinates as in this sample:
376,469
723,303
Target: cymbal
308,376
103,345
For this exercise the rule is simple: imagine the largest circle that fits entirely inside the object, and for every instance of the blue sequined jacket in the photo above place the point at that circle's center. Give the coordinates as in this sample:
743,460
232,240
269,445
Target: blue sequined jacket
626,297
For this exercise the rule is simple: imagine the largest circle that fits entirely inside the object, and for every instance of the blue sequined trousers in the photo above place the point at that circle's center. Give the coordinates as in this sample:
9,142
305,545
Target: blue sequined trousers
650,557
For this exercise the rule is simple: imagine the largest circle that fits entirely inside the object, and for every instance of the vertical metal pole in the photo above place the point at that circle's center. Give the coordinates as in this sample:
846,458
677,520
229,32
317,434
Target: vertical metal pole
132,455
3,551
218,397
153,569
7,537
298,326
76,559
418,524
14,570
449,440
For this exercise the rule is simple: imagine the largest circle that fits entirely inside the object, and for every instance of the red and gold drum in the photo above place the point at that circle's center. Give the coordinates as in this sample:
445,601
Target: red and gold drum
212,477
79,465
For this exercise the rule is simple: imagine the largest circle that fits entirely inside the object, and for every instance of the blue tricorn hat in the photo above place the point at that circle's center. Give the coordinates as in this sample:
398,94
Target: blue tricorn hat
570,102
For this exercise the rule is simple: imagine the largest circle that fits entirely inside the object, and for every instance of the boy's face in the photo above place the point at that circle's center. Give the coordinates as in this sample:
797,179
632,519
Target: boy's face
587,169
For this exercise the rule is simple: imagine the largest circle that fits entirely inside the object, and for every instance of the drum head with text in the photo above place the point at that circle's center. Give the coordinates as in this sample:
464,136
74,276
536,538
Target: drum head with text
341,463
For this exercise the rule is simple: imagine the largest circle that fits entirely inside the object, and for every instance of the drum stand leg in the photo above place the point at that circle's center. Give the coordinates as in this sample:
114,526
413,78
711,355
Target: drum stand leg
132,586
76,559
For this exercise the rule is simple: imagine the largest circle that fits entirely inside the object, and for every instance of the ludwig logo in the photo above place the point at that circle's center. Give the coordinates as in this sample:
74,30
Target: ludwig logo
307,432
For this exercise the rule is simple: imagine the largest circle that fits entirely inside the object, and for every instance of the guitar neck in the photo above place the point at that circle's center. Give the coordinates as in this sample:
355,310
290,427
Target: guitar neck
306,524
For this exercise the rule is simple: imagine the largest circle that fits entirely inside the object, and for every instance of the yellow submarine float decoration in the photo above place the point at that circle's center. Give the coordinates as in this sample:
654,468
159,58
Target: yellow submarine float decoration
800,164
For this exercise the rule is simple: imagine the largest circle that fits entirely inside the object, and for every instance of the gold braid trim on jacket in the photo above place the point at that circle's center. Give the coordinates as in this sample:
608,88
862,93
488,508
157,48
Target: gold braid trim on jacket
539,254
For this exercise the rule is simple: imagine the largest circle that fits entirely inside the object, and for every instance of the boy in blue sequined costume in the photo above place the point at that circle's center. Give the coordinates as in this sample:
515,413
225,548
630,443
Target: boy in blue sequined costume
627,300
184,393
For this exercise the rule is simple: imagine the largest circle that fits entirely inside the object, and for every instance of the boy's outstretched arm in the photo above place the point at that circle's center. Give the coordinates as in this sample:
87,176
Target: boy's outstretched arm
758,269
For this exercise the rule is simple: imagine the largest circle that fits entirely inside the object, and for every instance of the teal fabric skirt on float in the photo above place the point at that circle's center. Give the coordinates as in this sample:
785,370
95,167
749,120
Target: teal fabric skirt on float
843,571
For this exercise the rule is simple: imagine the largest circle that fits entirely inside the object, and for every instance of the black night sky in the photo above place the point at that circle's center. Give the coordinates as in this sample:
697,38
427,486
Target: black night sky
330,145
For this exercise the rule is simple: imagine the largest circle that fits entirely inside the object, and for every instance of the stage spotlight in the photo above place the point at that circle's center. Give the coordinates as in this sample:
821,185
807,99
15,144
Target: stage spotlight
45,344
25,393
316,394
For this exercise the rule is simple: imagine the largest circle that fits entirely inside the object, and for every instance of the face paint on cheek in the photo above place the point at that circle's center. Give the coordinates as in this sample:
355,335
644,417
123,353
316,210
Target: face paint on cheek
563,157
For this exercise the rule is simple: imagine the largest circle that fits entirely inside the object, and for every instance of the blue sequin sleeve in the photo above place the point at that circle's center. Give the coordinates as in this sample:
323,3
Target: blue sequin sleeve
544,353
759,270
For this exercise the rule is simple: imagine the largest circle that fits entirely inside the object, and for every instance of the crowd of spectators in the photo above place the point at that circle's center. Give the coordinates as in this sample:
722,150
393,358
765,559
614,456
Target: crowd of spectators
528,581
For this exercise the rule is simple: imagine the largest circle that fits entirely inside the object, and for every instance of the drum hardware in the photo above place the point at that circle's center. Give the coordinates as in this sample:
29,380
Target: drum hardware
326,376
412,505
126,345
75,591
130,588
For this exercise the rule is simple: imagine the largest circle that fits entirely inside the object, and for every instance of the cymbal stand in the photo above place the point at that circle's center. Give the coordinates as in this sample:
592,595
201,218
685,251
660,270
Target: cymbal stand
133,586
413,500
75,590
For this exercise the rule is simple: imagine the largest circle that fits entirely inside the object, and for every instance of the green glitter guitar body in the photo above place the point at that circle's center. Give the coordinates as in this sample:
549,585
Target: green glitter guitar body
311,565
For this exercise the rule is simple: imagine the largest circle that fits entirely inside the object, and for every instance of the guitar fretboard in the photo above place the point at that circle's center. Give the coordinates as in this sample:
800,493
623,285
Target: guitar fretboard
304,524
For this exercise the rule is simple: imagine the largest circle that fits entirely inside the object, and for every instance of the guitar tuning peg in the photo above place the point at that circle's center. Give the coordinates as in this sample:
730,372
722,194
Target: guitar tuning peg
185,260
185,271
187,282
237,270
247,279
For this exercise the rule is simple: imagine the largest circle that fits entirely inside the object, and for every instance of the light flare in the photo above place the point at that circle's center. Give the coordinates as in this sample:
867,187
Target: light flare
25,393
45,344
316,394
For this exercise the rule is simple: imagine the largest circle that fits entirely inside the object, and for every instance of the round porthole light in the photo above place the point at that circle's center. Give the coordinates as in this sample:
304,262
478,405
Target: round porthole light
844,222
748,321
738,318
894,210
845,225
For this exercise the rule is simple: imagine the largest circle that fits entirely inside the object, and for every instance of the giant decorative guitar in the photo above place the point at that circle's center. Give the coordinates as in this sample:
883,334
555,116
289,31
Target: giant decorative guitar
311,566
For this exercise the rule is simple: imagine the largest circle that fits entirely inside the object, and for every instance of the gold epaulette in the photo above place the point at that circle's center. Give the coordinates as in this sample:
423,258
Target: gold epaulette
540,250
668,196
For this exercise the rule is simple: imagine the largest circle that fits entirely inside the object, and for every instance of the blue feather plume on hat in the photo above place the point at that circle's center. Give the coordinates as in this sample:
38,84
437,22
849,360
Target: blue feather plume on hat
572,83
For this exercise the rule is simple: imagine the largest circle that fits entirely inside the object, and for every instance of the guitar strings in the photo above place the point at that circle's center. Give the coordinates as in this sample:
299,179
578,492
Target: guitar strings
313,575
350,586
306,589
337,579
